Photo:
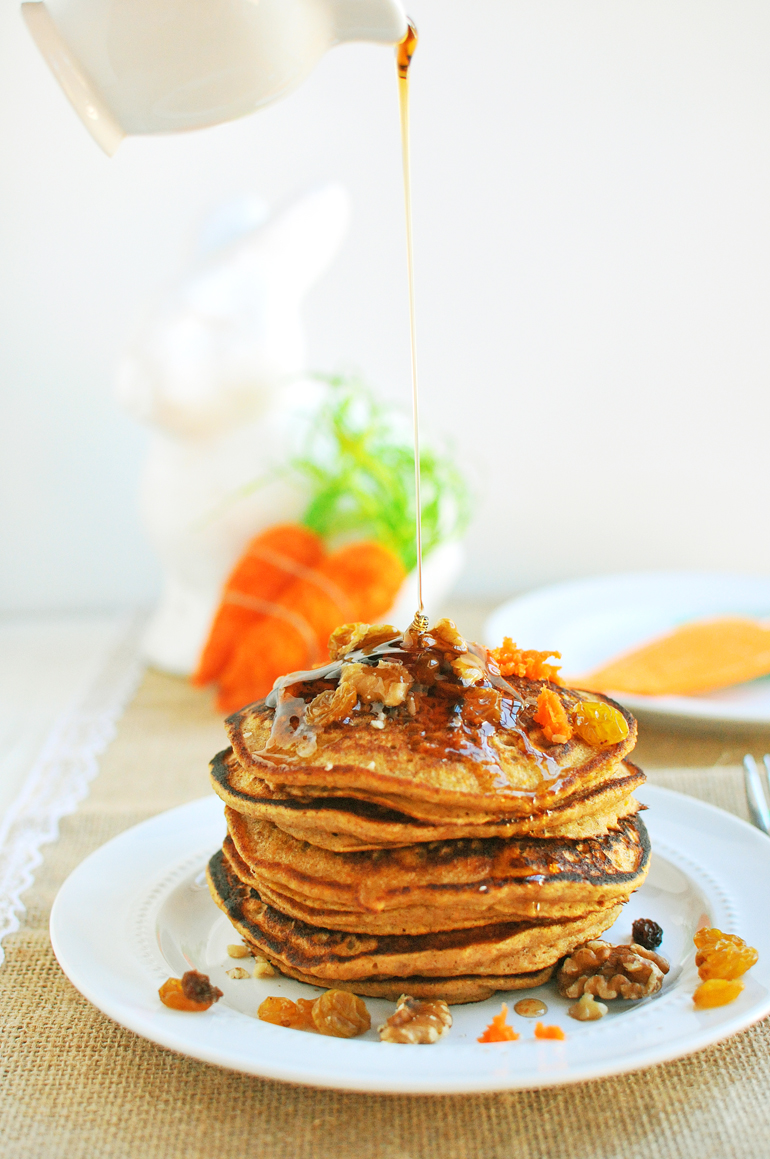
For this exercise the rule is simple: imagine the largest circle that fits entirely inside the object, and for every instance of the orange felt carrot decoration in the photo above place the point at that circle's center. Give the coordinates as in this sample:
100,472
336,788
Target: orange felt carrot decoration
357,583
694,658
270,563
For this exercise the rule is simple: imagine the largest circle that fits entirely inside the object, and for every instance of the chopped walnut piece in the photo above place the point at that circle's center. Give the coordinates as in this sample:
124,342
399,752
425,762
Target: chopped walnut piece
346,639
349,637
587,1009
239,951
416,1021
608,972
331,705
262,968
388,683
468,669
447,636
238,972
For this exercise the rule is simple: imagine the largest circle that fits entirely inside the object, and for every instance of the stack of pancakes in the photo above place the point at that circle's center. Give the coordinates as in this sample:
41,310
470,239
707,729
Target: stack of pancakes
398,823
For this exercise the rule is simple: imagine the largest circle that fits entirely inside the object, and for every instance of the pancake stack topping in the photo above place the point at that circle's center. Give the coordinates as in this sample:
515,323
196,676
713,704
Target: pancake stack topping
423,816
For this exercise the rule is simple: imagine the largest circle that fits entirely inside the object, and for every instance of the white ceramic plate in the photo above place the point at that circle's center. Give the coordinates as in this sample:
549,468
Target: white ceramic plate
590,621
137,910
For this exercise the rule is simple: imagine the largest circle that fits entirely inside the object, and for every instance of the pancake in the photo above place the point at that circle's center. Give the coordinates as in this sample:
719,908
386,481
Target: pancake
440,885
410,769
499,949
346,824
406,820
454,991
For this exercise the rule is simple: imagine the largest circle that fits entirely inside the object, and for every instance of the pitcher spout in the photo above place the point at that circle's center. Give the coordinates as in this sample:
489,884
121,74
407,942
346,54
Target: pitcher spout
382,21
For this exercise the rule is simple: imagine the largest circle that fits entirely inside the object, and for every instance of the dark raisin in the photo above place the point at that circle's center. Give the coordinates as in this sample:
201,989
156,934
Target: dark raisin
647,933
197,987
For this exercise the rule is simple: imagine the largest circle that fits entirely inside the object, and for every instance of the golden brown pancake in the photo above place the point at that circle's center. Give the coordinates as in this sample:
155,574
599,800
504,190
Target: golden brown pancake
454,991
400,770
346,825
407,820
502,948
439,885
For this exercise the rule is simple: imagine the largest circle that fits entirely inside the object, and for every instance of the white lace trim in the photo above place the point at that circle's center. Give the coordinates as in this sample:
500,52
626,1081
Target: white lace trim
60,777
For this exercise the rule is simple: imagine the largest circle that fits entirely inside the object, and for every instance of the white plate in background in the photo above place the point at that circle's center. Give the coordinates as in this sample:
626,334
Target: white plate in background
591,621
137,910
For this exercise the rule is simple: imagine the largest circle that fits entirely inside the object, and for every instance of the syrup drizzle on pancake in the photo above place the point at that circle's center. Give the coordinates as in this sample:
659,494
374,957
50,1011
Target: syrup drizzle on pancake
448,724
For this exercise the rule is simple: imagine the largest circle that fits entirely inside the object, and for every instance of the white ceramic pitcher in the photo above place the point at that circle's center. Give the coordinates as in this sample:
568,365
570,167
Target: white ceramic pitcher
162,66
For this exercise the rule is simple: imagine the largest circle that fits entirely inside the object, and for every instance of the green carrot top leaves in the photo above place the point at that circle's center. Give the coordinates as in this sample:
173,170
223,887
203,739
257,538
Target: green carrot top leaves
358,462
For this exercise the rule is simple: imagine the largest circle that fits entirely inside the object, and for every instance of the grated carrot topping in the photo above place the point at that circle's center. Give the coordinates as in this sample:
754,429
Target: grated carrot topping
549,1032
552,717
498,1029
513,661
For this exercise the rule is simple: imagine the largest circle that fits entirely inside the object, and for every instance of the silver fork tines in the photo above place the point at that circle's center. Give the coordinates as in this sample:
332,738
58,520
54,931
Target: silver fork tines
755,794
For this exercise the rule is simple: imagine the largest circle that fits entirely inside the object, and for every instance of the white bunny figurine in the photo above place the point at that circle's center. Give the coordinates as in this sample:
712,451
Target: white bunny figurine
217,372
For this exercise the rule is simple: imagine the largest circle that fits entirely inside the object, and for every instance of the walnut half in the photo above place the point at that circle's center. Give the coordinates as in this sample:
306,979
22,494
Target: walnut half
416,1022
608,972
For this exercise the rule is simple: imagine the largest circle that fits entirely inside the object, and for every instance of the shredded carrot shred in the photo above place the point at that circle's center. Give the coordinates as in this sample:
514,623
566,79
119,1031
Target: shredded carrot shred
498,1029
513,661
552,717
549,1032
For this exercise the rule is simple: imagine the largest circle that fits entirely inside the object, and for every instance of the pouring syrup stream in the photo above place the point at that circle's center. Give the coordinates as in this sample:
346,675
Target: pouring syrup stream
404,53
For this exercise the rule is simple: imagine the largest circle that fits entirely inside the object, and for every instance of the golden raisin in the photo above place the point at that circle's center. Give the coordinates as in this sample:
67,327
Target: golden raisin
192,992
552,717
709,935
171,995
284,1012
340,1014
723,956
305,1007
599,724
498,1029
481,704
331,705
716,992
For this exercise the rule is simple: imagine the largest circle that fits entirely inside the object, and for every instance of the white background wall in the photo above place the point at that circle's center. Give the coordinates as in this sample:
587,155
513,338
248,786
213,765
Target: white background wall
592,213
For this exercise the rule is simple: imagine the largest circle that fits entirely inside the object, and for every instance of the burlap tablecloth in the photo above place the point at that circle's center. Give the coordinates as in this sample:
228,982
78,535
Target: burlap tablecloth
76,1085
